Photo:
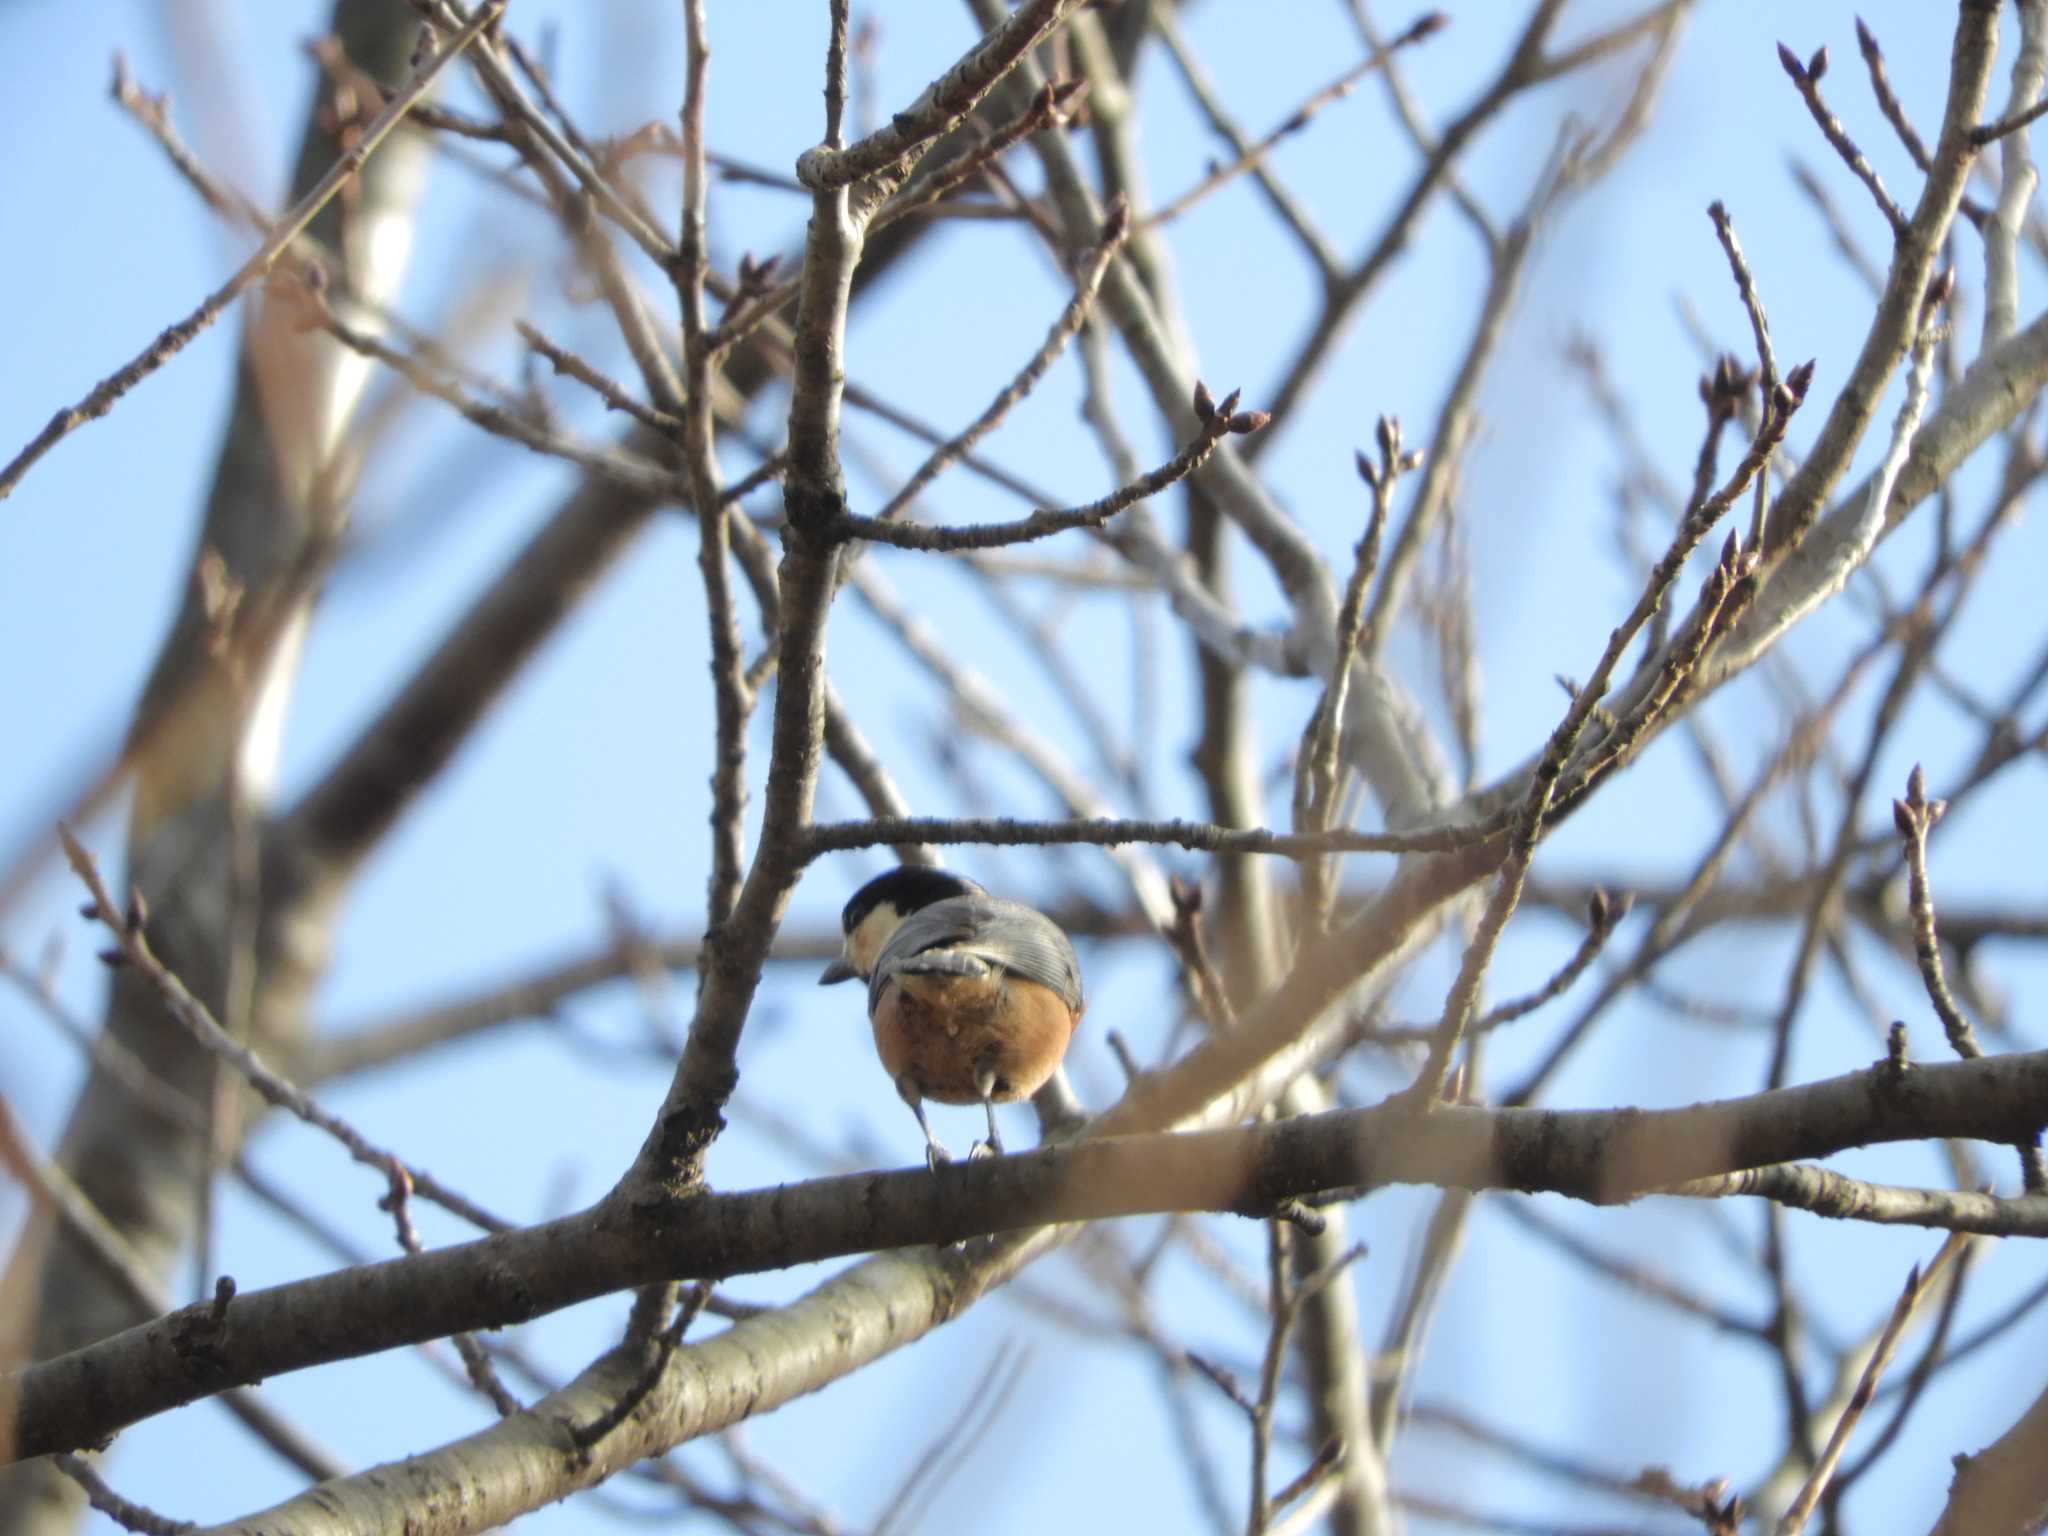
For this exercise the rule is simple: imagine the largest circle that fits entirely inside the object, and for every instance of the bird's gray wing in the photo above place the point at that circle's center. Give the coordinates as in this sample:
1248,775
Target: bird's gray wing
1027,943
965,935
924,944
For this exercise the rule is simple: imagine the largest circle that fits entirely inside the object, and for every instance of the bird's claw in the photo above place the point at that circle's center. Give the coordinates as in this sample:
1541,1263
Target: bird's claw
936,1156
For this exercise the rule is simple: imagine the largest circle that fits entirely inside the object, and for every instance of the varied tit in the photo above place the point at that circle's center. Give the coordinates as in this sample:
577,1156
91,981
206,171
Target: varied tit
973,999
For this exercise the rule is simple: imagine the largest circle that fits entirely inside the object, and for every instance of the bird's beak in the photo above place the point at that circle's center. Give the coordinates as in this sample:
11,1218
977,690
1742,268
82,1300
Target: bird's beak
838,970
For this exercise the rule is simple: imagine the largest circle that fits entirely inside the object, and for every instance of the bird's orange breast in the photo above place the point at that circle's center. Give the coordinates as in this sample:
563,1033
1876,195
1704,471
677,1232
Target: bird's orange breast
935,1030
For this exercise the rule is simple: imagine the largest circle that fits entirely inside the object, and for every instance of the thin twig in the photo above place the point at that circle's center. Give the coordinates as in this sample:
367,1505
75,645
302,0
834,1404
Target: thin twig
1983,1335
943,104
513,102
1992,132
1327,1462
835,74
1917,1286
1191,945
633,475
1521,71
476,1364
1603,917
1916,816
1282,1308
1116,225
1045,523
1318,779
1823,1192
1846,243
153,112
606,389
112,1058
1314,244
661,1349
962,1431
1639,1279
1911,1390
50,1189
1888,99
1536,802
733,698
1055,102
1752,302
127,927
1806,79
1253,156
175,338
1198,836
123,1512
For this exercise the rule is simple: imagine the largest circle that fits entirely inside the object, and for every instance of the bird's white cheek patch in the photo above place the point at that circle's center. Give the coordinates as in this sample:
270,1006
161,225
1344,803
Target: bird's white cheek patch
864,944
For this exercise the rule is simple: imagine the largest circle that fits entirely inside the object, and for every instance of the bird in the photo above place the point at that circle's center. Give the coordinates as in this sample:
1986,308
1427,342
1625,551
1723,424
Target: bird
972,998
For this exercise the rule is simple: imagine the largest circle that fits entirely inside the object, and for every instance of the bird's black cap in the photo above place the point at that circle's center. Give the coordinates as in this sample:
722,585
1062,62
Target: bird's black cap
906,888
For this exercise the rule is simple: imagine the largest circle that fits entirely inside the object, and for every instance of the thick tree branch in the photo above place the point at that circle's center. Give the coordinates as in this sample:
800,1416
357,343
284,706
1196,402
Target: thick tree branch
2003,1487
1604,1156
